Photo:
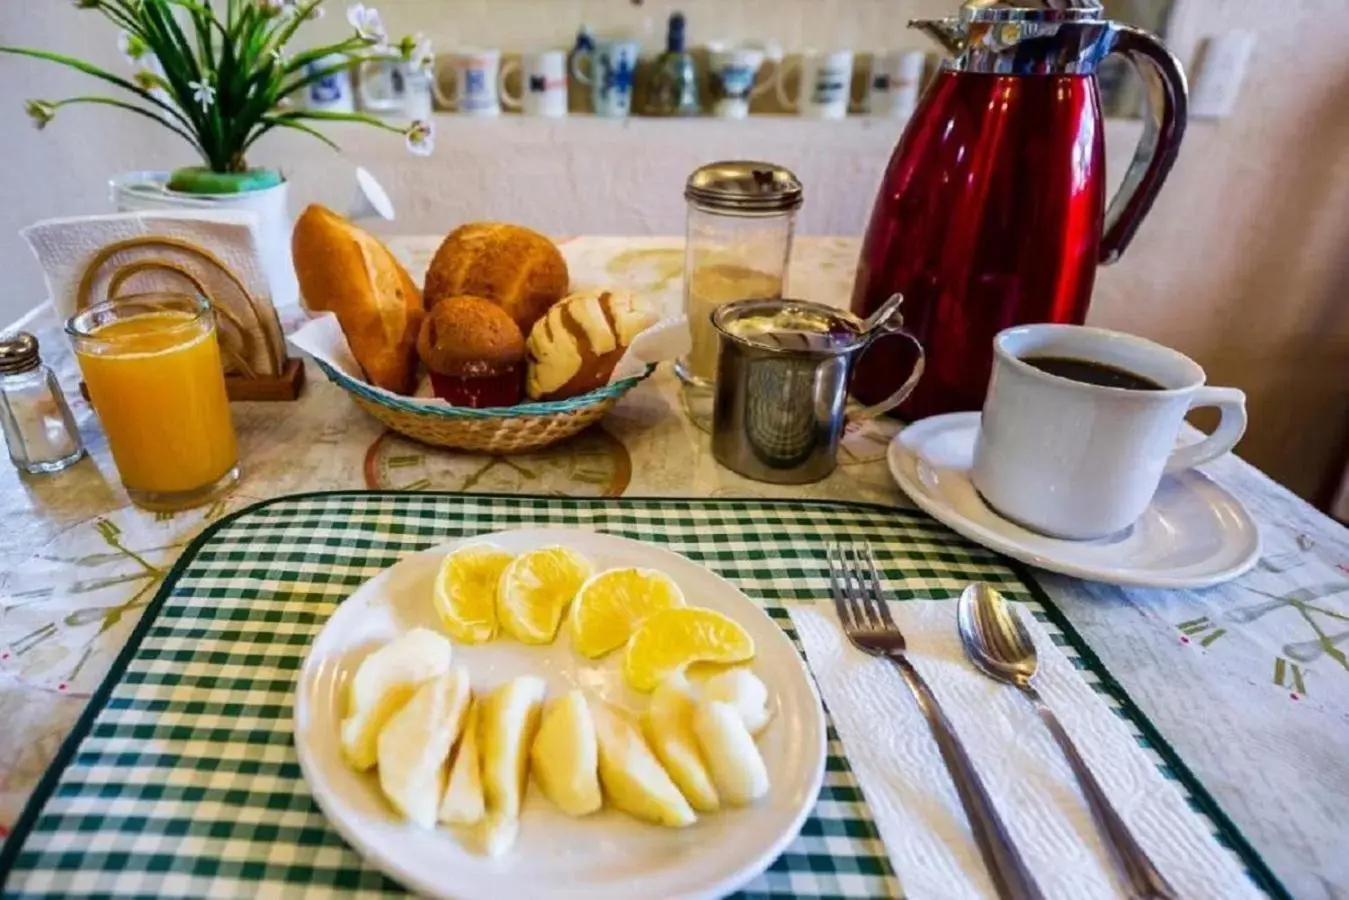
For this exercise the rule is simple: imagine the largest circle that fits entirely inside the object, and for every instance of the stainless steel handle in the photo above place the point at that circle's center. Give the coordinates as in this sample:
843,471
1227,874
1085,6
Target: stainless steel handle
1144,879
1010,875
1168,111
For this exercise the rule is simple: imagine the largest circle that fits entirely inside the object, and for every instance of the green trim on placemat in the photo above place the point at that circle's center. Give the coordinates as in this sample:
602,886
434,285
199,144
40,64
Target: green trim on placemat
839,854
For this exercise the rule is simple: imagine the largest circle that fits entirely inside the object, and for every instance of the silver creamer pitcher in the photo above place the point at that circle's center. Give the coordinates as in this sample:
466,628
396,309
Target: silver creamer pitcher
782,384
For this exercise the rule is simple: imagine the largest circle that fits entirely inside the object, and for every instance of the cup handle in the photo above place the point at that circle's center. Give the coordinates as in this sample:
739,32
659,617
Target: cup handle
886,322
780,85
576,70
1232,404
509,100
450,100
759,87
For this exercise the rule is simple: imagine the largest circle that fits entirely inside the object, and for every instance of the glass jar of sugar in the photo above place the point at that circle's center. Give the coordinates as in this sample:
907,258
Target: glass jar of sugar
741,219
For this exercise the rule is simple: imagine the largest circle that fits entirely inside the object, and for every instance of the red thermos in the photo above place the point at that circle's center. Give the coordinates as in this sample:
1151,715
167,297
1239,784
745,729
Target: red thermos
992,211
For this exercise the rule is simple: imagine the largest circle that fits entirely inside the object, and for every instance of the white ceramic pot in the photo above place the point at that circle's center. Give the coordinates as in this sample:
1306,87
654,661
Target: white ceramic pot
148,191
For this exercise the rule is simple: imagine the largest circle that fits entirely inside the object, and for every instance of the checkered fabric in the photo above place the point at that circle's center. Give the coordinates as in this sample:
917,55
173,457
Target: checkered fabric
181,780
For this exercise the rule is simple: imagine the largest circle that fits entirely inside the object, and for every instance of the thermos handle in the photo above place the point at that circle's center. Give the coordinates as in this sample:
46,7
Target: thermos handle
1163,127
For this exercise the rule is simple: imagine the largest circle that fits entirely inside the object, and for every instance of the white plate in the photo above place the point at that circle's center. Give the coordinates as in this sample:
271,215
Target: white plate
1194,534
608,854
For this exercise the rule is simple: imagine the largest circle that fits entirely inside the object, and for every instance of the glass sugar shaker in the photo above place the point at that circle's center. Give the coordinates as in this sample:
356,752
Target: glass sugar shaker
39,428
741,219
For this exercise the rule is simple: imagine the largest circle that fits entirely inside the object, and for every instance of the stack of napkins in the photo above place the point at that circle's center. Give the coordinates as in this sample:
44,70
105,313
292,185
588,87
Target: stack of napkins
914,801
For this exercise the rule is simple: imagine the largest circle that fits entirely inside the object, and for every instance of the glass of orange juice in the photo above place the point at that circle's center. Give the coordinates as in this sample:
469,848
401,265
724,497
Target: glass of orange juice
151,364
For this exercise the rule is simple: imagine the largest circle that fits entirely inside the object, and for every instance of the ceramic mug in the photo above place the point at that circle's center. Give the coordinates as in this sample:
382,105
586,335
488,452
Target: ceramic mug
1082,461
613,69
893,83
389,87
736,68
825,87
543,84
331,92
476,76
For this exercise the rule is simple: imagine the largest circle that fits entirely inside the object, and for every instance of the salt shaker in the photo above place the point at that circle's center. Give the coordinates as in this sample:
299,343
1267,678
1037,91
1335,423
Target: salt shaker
741,219
38,426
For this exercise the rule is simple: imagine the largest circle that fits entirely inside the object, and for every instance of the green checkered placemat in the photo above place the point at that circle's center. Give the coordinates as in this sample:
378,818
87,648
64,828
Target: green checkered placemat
181,778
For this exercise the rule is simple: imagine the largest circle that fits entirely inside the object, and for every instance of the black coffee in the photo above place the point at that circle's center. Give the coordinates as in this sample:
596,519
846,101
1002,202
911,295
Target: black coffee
1088,372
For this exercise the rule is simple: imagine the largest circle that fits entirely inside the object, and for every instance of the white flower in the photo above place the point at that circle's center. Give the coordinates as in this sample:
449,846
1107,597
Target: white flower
422,55
132,48
421,137
273,8
369,27
203,92
41,112
278,56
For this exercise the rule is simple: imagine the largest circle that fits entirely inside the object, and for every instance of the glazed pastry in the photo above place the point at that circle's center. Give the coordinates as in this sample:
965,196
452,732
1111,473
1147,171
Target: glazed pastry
517,268
474,353
574,348
344,270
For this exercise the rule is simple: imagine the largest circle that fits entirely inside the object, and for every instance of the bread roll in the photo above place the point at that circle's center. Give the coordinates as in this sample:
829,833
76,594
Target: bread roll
344,270
474,351
519,269
574,348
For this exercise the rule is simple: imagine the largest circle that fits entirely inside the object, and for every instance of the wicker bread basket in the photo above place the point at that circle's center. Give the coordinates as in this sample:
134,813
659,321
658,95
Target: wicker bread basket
514,429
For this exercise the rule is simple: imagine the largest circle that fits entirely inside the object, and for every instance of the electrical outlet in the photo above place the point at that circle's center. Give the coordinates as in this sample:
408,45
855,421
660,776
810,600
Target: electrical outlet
1217,81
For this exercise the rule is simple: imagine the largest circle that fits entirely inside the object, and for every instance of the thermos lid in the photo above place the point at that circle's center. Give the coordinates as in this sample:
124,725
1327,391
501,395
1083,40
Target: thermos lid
18,353
1030,10
744,186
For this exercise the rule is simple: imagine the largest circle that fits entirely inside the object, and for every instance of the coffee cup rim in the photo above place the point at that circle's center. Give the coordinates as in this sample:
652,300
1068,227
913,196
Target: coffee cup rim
1196,380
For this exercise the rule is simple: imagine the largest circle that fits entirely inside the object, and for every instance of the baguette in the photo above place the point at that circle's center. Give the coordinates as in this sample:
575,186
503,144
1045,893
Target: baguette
344,270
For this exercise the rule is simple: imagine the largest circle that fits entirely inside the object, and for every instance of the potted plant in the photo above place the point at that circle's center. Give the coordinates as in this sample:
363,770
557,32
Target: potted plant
219,76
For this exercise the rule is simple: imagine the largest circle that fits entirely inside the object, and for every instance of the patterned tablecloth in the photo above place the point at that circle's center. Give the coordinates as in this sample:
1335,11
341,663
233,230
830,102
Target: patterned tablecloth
1249,682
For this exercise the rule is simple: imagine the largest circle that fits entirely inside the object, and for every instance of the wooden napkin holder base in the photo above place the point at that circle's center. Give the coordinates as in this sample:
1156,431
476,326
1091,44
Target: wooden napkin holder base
285,386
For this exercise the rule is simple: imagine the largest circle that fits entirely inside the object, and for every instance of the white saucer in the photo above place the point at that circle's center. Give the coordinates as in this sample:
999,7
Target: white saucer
1194,534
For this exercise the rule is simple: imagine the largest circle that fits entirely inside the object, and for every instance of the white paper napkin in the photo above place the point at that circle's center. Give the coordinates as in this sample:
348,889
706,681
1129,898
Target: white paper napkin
323,339
914,801
64,248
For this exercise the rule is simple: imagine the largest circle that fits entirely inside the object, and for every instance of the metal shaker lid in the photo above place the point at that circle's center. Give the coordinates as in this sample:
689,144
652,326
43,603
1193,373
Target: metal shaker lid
1030,10
744,186
18,353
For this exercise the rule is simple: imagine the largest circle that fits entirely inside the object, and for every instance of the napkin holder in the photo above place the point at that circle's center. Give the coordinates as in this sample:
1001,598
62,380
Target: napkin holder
252,347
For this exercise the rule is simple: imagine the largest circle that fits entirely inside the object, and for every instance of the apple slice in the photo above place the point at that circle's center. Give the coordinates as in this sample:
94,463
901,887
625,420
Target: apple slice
507,724
632,777
737,768
668,726
463,803
745,691
384,681
415,743
565,758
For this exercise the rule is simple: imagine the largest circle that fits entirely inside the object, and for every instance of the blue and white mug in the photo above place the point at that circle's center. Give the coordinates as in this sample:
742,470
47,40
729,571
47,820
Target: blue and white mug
613,71
476,76
736,69
332,92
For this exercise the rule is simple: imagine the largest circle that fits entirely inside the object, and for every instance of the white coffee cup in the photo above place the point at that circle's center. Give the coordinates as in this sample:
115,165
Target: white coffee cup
1082,461
825,86
543,84
392,87
893,83
736,69
476,76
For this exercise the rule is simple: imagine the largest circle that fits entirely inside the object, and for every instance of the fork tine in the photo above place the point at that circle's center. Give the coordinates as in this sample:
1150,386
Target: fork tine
860,594
836,587
879,590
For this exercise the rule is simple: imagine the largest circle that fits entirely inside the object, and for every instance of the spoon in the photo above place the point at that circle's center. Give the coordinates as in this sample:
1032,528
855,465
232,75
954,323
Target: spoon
999,644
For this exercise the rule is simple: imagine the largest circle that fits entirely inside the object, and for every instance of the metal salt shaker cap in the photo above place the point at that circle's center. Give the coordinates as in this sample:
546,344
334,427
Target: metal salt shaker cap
744,186
18,353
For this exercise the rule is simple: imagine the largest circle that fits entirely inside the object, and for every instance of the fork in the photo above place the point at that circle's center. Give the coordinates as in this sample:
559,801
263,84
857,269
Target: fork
864,612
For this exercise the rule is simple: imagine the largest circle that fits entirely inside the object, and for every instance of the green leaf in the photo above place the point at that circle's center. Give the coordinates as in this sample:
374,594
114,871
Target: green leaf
270,122
140,111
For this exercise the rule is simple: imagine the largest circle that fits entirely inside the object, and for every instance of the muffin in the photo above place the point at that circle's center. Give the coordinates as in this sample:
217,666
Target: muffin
474,353
519,269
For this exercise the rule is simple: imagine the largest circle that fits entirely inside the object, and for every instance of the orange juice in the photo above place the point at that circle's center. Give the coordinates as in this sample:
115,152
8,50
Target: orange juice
154,378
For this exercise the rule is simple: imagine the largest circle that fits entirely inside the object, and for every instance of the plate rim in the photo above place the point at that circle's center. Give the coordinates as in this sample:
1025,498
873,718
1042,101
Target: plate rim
409,879
899,459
